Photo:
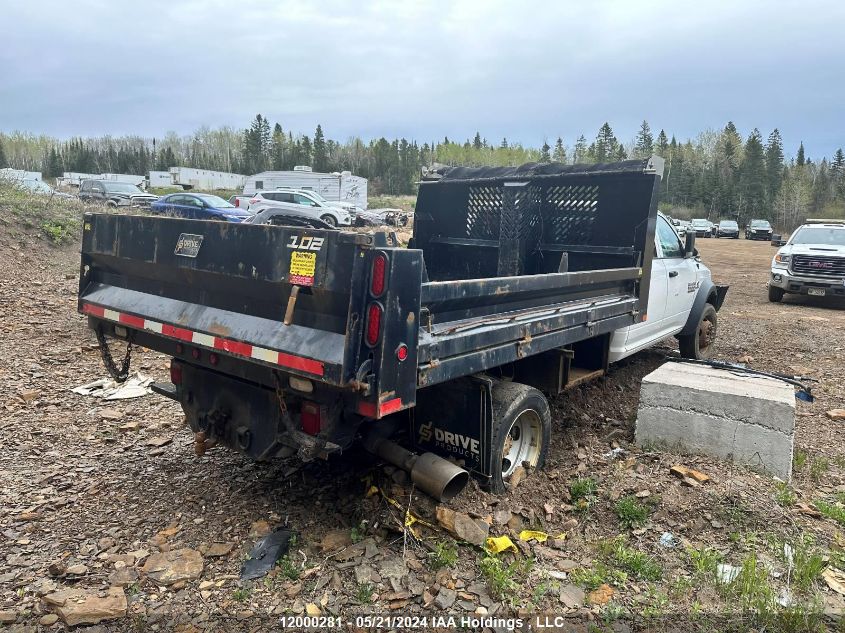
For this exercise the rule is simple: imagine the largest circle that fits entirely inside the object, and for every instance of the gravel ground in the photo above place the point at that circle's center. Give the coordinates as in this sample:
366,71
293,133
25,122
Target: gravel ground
96,495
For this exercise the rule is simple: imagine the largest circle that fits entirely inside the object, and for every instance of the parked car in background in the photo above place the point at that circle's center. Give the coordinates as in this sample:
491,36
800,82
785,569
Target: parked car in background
41,188
728,228
114,193
812,262
278,216
702,227
199,206
300,202
242,202
758,230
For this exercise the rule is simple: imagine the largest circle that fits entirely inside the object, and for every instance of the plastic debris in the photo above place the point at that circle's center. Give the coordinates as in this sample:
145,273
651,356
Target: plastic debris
265,553
667,539
135,386
726,573
533,535
410,519
499,544
616,453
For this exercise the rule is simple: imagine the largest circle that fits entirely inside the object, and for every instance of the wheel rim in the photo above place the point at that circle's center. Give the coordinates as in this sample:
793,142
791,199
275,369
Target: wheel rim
523,442
706,334
329,220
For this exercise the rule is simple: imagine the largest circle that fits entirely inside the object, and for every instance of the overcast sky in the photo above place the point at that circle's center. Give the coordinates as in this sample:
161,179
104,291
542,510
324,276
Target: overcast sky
519,69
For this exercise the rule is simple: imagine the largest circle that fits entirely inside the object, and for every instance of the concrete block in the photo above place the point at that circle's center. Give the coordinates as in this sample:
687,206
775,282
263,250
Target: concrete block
703,410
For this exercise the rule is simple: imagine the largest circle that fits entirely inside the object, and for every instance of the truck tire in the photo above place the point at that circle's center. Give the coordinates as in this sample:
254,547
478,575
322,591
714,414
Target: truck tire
522,427
775,294
699,344
329,219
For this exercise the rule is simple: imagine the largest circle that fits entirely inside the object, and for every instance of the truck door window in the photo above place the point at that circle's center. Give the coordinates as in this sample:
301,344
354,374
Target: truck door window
308,202
669,242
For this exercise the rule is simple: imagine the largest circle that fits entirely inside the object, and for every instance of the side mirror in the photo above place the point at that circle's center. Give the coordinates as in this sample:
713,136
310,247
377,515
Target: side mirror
689,245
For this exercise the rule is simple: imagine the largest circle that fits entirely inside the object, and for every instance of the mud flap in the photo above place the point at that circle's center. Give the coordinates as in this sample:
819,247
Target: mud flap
455,420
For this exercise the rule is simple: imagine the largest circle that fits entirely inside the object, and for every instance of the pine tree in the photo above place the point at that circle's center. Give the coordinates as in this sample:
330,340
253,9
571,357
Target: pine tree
753,176
321,157
476,142
54,165
3,161
504,144
645,141
662,144
838,163
278,144
774,164
306,153
580,151
799,159
606,144
545,156
559,154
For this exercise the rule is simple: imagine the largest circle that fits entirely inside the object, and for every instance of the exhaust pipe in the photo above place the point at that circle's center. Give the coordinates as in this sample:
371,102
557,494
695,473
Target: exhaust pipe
437,477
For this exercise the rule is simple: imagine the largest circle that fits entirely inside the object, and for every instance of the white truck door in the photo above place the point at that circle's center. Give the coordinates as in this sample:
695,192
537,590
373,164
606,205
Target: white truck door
682,276
631,339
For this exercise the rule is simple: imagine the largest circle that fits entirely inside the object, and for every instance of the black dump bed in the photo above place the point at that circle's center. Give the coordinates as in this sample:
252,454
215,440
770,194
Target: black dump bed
504,264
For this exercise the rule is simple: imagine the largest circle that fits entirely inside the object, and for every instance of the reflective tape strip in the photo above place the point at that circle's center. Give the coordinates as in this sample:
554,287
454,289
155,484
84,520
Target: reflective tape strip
238,348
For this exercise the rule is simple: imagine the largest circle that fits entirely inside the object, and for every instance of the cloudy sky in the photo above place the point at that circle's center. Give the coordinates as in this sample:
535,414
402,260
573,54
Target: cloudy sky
521,69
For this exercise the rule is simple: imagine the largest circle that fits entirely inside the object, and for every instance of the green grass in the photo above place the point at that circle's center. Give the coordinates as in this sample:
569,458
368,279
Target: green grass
358,532
704,561
583,492
631,512
818,467
241,594
831,511
799,460
288,569
596,576
634,562
784,495
364,593
503,580
445,554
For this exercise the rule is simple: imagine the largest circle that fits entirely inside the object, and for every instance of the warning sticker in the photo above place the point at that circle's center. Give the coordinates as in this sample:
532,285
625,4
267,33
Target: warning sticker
302,267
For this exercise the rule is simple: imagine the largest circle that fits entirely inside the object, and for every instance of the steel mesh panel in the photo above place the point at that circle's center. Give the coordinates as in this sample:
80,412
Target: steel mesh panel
569,213
484,206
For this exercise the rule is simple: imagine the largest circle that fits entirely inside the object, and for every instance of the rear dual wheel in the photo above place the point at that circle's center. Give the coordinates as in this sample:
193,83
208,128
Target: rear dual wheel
521,432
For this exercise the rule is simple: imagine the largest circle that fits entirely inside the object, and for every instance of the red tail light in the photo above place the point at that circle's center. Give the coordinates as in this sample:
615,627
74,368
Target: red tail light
237,202
378,278
373,324
310,415
175,373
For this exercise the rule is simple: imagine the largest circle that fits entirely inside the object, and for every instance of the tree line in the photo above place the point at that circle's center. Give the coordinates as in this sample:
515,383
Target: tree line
718,174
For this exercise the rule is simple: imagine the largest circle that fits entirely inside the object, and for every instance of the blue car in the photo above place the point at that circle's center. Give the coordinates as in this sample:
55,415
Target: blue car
198,206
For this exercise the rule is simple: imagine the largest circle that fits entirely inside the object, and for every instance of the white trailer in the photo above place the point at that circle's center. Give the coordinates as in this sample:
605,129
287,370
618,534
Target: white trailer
129,179
189,178
159,179
7,173
342,186
75,178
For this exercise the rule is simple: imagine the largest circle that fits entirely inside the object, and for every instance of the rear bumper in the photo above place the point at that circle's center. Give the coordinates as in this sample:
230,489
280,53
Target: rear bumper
795,284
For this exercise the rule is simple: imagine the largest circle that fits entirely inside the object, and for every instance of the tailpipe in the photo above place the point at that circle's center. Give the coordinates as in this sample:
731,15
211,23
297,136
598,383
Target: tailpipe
430,473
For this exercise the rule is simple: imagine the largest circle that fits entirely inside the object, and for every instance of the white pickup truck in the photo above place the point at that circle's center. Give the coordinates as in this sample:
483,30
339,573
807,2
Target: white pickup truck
683,300
811,263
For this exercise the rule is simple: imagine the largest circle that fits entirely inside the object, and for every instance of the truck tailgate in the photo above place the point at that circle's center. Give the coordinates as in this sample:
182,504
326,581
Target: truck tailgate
225,287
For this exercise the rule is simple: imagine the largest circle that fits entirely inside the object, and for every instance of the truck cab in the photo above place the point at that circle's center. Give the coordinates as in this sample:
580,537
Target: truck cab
680,292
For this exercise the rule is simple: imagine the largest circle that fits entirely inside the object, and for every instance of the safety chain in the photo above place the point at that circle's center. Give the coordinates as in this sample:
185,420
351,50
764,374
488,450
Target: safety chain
121,374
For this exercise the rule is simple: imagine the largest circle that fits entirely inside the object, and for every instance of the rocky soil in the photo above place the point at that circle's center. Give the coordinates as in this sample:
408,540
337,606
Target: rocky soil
108,519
